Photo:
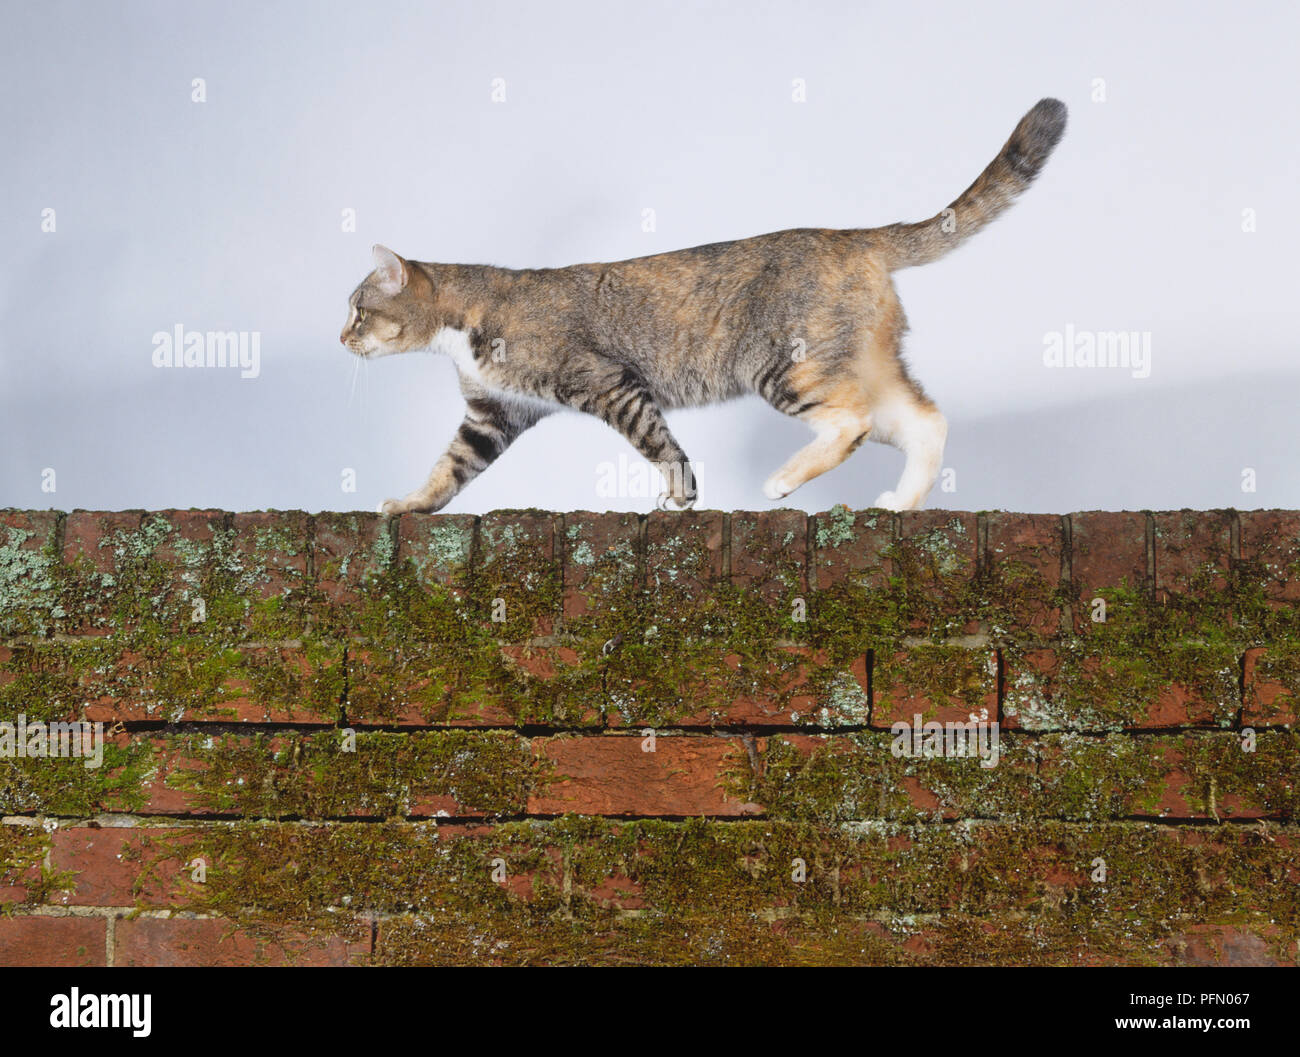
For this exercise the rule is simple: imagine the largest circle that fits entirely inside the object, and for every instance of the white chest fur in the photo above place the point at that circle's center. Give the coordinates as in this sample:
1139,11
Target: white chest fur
455,343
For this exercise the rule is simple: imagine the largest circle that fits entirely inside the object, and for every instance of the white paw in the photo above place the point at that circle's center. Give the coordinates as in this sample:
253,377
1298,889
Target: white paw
889,501
776,488
681,502
393,506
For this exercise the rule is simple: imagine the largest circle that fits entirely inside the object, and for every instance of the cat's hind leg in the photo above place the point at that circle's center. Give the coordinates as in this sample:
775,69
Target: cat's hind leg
910,421
868,397
841,425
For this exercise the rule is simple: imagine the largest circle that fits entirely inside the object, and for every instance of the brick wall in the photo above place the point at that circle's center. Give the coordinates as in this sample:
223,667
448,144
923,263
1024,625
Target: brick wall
608,738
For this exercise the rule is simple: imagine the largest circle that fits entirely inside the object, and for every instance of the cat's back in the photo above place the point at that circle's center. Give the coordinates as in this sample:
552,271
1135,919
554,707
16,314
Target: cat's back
739,260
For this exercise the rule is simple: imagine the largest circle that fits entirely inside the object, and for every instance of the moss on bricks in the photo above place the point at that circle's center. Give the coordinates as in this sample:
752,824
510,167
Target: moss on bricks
190,630
1121,670
432,940
384,775
1075,777
29,597
1232,774
570,885
66,786
171,677
435,650
1281,668
936,675
23,868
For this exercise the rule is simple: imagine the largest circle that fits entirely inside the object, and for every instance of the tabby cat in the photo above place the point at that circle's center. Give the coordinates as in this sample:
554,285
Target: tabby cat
808,319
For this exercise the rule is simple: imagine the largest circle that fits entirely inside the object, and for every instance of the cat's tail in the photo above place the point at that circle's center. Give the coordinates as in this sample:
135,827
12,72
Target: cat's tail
1014,169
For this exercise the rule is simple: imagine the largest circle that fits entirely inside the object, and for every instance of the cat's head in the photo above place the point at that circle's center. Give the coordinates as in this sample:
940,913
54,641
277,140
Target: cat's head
389,311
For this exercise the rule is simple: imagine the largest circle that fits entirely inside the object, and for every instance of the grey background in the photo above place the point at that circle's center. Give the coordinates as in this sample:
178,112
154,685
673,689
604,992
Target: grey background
226,215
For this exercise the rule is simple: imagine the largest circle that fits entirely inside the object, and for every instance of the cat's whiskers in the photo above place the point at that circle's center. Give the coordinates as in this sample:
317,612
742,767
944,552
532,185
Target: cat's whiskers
352,390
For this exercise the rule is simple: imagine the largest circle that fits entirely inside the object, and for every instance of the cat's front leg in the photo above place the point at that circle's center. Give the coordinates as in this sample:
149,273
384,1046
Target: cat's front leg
418,502
488,428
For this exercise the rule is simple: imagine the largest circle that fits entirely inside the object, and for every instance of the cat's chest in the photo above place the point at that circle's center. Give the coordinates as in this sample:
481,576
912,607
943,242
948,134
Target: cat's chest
455,344
481,374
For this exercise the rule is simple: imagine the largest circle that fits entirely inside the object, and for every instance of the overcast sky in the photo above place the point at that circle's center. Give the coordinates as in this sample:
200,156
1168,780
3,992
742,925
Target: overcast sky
1168,212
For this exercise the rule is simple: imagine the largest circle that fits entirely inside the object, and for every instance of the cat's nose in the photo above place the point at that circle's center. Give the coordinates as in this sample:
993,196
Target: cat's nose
343,338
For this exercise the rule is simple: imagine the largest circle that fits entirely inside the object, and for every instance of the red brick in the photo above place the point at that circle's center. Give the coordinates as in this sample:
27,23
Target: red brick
348,551
15,884
214,941
1051,689
438,546
769,555
48,670
162,797
402,687
683,551
191,538
30,941
177,761
613,775
616,892
601,561
36,527
944,683
1272,686
313,697
275,546
851,546
517,552
843,699
136,685
1270,553
732,690
109,861
546,663
88,536
182,554
801,686
1107,551
1176,792
90,544
935,545
926,782
1193,551
936,560
1230,945
185,553
845,696
1025,556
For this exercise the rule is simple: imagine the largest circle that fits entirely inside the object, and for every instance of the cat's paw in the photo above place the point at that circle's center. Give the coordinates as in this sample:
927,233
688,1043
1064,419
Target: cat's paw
394,506
776,488
683,502
889,501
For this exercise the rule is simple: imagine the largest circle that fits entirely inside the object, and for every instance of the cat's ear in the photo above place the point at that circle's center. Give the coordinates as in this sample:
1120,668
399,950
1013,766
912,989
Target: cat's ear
390,270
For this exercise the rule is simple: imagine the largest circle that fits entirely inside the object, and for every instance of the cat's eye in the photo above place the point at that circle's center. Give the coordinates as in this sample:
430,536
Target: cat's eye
361,315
